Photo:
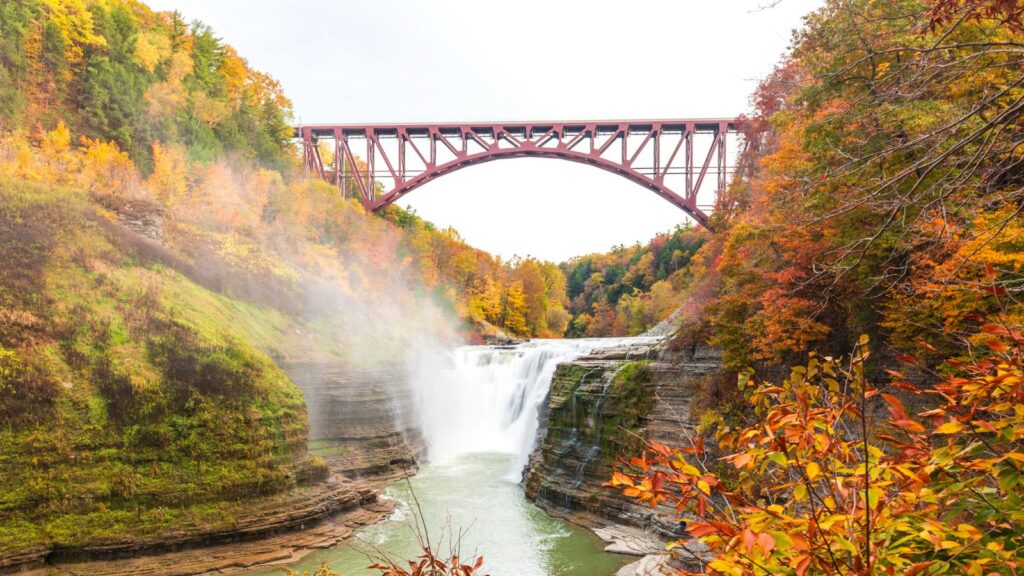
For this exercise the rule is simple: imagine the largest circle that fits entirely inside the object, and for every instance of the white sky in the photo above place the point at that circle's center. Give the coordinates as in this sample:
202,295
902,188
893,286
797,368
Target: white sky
395,61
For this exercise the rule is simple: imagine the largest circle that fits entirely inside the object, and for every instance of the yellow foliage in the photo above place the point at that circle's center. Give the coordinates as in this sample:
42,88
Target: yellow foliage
58,161
106,169
18,159
151,49
58,139
208,110
74,20
218,201
234,70
515,310
168,181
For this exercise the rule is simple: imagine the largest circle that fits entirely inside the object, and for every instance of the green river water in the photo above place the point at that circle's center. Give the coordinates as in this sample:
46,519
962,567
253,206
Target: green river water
470,493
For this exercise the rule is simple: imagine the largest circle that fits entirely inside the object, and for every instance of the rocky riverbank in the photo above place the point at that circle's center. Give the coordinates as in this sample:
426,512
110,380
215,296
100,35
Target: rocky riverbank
363,427
279,531
604,405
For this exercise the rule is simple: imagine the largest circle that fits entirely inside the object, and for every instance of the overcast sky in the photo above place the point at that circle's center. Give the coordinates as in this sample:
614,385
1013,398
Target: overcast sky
394,61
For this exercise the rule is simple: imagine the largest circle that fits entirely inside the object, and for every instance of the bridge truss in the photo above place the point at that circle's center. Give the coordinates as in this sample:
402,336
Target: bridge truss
382,163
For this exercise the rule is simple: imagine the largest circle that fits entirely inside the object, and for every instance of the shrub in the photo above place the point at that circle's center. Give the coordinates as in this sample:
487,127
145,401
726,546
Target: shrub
115,386
822,488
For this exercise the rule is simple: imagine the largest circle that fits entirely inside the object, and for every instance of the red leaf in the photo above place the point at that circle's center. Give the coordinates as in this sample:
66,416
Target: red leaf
740,460
701,529
895,407
915,569
660,449
996,290
906,386
994,329
802,565
910,425
766,541
749,540
997,345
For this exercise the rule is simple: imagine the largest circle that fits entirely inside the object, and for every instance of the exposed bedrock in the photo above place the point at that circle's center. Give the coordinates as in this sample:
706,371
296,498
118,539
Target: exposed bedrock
274,530
602,406
361,422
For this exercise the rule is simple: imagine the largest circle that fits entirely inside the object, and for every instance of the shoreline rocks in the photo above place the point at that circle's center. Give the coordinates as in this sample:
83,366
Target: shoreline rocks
235,557
282,521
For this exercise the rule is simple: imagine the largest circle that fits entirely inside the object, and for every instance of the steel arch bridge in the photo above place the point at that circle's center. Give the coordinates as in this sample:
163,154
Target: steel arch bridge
383,162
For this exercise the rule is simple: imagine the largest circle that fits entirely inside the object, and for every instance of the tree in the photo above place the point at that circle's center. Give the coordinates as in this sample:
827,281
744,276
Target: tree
529,276
513,316
168,179
818,486
114,84
557,320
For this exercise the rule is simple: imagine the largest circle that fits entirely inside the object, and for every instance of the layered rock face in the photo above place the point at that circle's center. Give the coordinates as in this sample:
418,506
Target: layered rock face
278,531
602,406
361,422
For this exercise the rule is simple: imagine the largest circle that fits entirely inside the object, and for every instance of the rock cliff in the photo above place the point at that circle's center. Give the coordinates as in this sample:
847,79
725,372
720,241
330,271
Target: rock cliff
362,422
604,405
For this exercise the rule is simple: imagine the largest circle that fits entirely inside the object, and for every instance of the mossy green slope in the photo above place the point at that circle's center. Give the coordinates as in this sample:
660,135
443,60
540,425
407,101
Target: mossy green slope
132,400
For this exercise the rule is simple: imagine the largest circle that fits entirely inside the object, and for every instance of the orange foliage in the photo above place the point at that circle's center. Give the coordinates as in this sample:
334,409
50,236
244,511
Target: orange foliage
818,486
106,169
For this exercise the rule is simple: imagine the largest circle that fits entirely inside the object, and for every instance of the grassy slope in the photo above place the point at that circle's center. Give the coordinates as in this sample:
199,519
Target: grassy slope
132,400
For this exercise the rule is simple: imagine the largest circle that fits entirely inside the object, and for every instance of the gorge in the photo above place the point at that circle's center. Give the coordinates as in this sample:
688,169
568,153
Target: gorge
225,349
478,409
504,443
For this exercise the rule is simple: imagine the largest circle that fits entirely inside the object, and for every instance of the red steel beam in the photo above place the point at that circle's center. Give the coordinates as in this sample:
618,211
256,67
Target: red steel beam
500,140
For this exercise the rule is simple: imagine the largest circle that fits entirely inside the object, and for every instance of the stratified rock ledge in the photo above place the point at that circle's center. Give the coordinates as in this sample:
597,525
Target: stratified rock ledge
281,532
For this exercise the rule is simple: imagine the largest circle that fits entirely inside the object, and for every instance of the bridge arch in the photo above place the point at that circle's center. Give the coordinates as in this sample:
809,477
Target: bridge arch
394,160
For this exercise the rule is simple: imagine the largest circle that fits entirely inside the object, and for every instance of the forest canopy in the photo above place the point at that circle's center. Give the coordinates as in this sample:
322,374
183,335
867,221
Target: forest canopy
119,72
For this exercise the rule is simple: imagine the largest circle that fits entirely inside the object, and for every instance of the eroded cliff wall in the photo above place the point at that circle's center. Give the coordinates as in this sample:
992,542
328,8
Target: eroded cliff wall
362,422
605,405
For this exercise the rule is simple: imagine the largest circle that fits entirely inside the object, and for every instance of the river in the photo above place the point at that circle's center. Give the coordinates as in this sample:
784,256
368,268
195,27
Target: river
478,406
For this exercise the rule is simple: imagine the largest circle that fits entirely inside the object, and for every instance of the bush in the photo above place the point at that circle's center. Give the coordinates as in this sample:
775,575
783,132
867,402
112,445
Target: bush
115,386
823,488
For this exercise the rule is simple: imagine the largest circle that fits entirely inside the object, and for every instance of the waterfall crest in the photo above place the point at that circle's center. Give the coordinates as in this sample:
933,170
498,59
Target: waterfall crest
487,398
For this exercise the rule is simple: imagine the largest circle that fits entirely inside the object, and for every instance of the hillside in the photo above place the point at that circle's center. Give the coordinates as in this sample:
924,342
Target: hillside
629,290
119,72
134,402
164,258
873,197
864,287
118,100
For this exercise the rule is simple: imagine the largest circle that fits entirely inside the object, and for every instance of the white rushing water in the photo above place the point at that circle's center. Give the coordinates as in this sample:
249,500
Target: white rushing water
486,398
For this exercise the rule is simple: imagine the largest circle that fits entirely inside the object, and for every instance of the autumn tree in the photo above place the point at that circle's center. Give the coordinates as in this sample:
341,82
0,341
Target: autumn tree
514,309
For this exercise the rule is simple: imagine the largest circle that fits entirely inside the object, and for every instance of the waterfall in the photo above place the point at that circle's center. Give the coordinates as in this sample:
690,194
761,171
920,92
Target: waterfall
487,398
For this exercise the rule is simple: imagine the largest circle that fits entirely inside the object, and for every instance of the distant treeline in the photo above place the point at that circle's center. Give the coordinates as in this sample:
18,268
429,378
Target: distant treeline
630,289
